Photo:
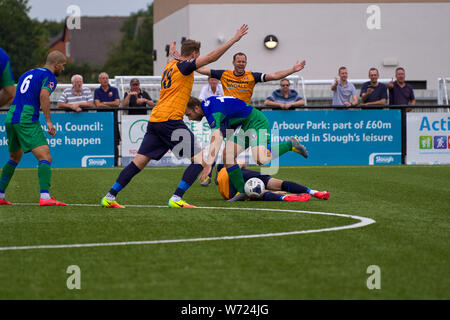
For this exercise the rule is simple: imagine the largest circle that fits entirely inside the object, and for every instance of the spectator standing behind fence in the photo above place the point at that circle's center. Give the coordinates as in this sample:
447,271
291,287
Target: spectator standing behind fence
344,92
284,97
137,97
401,93
213,88
373,92
76,97
106,96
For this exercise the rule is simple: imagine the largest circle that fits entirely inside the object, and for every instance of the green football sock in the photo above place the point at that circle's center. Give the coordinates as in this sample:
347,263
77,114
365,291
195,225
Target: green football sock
7,173
280,149
236,178
45,176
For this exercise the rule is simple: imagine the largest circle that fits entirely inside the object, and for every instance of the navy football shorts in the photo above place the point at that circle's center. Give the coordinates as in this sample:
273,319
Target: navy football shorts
169,135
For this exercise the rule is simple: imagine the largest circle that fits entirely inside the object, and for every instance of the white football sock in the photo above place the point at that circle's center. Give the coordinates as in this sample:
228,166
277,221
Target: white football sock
110,197
45,196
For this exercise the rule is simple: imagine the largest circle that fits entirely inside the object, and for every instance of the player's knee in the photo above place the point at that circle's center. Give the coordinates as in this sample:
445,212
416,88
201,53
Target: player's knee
16,157
198,158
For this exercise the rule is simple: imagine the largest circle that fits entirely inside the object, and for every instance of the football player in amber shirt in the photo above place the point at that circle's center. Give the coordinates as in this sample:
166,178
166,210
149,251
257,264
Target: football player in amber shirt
166,129
239,83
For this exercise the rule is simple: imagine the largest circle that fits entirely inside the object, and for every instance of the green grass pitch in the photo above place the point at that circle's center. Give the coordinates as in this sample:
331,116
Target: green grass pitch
410,241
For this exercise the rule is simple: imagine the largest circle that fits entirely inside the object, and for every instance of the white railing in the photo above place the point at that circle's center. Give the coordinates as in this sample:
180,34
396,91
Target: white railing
309,90
442,92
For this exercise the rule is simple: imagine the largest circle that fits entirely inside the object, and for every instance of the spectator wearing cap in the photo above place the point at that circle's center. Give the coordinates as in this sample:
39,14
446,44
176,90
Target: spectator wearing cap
106,96
76,97
284,97
136,97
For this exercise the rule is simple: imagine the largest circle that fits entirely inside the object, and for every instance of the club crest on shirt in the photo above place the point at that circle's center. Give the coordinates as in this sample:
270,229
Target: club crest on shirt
110,94
51,85
253,137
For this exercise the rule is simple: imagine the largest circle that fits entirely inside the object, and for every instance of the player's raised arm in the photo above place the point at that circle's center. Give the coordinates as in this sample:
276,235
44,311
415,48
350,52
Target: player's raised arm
217,53
284,73
204,71
173,52
45,105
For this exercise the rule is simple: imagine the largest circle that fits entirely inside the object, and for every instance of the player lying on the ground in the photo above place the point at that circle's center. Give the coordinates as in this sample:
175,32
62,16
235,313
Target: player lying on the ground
249,128
299,192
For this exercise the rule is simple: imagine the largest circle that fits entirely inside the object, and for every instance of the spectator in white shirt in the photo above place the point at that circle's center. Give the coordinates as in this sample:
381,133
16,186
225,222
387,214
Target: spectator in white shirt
213,88
76,97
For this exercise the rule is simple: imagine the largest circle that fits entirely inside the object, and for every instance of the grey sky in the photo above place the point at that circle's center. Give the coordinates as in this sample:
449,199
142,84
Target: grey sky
57,9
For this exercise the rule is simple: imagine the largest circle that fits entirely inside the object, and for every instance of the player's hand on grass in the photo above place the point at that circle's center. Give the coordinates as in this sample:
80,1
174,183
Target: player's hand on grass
205,172
242,31
51,129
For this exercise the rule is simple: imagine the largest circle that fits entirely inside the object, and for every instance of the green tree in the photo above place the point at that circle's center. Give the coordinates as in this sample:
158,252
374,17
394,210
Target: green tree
133,55
21,37
52,28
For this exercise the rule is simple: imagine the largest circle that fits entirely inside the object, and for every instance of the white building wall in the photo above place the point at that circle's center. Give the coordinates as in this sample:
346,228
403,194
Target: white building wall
326,35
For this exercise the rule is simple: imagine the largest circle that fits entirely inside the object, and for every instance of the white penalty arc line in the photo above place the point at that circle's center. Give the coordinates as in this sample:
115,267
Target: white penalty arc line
363,221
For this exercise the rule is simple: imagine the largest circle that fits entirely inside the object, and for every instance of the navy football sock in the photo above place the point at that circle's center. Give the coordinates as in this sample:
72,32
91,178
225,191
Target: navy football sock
124,178
270,196
212,169
189,176
293,187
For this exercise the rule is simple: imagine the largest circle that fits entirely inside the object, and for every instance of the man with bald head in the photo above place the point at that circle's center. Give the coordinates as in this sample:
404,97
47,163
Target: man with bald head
24,130
106,96
77,97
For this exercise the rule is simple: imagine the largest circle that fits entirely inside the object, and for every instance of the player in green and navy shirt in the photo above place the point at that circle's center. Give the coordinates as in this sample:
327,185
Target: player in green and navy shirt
245,126
24,130
7,88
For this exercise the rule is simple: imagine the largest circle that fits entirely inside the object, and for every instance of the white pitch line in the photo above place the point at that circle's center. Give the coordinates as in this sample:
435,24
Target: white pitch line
363,221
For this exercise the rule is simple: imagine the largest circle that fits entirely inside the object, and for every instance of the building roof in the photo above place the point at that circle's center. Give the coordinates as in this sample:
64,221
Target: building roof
94,40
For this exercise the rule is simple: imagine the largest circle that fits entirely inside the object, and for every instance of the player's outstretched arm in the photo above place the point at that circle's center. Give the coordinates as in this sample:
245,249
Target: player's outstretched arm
45,106
217,53
204,71
284,73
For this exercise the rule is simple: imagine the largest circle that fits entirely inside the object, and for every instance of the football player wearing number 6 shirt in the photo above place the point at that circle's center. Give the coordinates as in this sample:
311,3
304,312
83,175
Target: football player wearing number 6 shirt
23,128
166,129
